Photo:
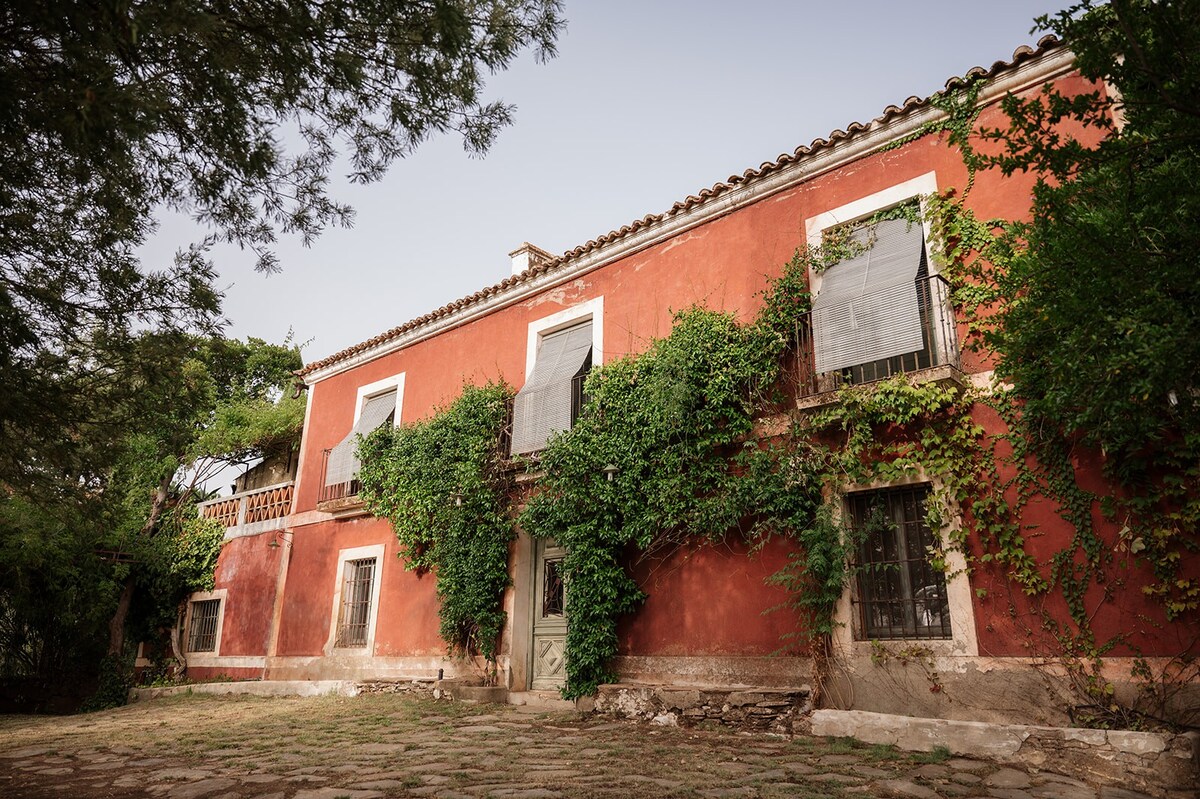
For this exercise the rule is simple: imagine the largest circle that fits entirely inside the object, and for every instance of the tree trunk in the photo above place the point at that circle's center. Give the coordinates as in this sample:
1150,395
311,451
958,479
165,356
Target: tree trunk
180,670
116,626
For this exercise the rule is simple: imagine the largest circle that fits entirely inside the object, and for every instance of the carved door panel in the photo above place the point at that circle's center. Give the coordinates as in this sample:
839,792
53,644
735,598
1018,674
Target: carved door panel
549,619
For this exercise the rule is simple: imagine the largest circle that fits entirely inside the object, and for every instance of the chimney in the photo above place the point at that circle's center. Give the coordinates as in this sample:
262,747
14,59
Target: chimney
527,256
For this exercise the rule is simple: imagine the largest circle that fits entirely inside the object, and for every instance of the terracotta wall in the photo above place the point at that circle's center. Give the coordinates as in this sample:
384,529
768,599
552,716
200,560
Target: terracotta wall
407,618
248,568
712,600
703,600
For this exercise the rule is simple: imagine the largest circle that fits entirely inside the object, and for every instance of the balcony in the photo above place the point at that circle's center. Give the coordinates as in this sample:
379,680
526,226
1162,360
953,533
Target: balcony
340,499
250,512
937,359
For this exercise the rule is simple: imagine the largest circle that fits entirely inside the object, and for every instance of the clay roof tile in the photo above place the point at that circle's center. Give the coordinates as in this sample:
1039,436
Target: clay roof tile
1020,55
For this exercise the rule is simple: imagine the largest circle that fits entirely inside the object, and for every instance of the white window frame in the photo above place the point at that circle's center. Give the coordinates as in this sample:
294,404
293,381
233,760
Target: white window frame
370,390
918,189
847,632
363,393
591,310
915,189
345,556
218,594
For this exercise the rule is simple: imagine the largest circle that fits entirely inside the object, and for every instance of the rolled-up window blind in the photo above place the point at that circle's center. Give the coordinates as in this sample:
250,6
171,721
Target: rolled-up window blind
868,308
543,405
342,466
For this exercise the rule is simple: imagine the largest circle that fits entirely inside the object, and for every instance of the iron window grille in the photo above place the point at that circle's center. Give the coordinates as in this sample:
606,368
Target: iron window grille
202,634
355,614
900,593
553,589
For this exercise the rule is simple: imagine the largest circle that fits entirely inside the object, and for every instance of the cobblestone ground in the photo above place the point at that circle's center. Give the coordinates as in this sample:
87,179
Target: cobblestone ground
205,747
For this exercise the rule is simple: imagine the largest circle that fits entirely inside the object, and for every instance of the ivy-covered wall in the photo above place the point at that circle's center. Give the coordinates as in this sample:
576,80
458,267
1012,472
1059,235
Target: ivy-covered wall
705,590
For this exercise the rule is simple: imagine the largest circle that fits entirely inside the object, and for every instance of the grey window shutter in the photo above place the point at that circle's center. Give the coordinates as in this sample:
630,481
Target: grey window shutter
543,405
342,466
868,307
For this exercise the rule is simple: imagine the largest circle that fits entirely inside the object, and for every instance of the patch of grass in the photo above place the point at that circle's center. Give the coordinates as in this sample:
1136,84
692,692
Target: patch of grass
940,754
883,752
841,746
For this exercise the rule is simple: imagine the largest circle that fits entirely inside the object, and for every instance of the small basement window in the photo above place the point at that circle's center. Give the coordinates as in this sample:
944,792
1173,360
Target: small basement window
202,629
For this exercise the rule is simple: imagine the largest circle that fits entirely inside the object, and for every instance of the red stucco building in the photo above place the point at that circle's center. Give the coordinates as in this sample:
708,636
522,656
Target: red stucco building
309,586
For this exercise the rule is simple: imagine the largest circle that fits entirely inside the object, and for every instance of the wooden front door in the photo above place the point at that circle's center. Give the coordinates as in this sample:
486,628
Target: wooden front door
549,618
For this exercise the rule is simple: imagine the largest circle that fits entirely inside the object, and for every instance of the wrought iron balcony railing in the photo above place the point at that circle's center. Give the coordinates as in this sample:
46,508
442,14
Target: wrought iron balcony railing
335,491
939,346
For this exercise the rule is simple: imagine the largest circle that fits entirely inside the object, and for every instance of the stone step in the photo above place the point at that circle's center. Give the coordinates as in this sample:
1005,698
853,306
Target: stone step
540,700
771,709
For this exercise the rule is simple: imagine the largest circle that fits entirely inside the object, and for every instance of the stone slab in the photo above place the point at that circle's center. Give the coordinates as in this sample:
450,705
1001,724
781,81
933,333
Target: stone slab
253,688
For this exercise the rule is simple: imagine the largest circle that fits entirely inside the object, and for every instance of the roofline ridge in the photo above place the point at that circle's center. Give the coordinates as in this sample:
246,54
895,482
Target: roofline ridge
702,197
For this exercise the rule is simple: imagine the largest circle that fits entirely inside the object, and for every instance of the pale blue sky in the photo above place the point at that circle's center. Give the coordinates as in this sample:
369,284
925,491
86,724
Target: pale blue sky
646,103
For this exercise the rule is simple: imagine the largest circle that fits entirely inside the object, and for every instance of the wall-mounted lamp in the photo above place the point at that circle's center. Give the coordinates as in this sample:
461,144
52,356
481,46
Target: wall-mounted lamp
457,499
610,471
278,540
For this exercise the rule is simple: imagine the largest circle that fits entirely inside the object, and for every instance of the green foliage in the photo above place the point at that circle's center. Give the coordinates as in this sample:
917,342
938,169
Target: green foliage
442,484
1090,307
179,560
116,678
677,422
55,594
786,300
816,575
236,115
121,512
242,427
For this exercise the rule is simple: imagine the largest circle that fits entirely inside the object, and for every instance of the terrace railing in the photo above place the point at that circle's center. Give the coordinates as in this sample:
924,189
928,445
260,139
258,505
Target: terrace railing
250,507
940,346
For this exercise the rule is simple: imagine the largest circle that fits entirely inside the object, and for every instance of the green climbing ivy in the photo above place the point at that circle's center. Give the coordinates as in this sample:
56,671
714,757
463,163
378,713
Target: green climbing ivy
443,485
678,423
985,262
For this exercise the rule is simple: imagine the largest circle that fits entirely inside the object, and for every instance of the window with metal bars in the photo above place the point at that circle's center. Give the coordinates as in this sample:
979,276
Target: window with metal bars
553,589
355,614
900,593
202,633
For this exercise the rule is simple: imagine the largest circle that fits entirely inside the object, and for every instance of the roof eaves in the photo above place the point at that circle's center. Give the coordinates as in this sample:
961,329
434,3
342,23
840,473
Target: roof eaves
703,196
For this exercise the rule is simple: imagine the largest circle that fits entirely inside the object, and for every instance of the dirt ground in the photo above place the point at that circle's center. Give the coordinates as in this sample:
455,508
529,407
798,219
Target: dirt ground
378,746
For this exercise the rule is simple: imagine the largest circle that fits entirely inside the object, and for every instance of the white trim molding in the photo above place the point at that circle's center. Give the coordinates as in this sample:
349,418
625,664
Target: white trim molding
194,658
917,188
592,310
344,556
375,389
827,159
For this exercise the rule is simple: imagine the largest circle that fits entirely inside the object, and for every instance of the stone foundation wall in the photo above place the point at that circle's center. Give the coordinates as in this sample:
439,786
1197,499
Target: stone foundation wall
1160,764
774,710
419,688
469,690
